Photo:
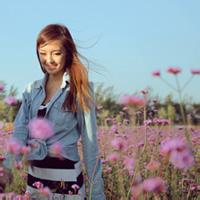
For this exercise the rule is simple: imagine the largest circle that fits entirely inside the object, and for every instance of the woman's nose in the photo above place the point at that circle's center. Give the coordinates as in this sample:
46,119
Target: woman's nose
49,59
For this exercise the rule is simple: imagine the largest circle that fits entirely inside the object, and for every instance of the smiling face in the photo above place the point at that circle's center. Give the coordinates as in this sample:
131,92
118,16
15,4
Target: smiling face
52,57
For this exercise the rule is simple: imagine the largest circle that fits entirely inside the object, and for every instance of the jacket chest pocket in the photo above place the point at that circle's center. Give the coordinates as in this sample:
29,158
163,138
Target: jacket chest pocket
60,117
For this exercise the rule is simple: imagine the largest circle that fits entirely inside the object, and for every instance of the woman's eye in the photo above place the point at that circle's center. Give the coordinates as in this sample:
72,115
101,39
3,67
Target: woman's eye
43,54
57,54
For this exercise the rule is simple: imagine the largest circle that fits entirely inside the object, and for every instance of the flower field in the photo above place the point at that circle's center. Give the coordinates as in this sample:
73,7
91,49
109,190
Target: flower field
143,158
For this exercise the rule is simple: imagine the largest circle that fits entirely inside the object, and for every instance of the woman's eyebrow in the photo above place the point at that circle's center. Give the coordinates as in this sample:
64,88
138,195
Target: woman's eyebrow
60,50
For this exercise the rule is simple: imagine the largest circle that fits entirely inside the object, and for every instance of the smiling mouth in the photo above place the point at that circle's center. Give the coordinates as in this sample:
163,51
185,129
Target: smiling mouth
51,66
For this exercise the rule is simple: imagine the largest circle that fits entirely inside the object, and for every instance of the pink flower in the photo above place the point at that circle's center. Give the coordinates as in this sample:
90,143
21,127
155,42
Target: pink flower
19,197
132,100
113,157
1,87
25,150
179,153
40,128
118,143
136,191
182,160
38,185
45,191
156,73
27,196
2,158
10,100
174,70
157,122
195,71
75,187
18,165
70,192
13,146
108,170
1,171
129,165
56,149
148,122
155,184
172,144
153,165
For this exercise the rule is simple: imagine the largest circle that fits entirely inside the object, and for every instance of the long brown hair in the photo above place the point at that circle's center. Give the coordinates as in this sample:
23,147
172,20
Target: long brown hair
79,92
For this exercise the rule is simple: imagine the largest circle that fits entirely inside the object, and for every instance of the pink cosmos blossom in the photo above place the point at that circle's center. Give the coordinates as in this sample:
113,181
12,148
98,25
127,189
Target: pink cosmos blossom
140,144
195,71
1,171
9,196
10,100
70,192
19,197
174,70
75,187
172,144
2,158
104,161
182,160
118,143
13,146
148,122
108,170
18,165
113,157
45,191
40,128
1,87
136,191
161,122
132,100
156,73
25,150
157,122
56,149
153,165
129,165
154,184
38,185
27,196
179,153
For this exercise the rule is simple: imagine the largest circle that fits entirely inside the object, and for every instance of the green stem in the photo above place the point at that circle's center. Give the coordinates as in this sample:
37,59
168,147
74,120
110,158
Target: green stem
187,136
167,83
187,82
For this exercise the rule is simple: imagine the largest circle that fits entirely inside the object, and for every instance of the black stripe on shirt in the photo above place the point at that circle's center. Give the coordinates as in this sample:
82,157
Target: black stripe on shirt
54,163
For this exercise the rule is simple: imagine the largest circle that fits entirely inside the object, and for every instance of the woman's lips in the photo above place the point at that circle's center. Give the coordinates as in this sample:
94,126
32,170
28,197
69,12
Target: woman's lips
51,67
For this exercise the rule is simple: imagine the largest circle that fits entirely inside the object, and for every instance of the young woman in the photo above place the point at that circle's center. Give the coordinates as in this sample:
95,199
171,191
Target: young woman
64,97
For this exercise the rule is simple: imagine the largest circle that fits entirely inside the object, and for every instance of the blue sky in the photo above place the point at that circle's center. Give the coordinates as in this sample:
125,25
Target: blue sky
126,39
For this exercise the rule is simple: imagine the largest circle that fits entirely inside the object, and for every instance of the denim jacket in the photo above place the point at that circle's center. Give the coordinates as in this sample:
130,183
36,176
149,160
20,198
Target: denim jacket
68,128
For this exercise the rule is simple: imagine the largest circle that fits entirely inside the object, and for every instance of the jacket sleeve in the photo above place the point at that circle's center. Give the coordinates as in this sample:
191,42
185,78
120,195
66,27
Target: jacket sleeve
20,131
91,154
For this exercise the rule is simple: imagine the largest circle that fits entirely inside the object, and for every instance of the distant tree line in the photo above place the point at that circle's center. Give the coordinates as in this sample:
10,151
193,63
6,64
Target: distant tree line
108,107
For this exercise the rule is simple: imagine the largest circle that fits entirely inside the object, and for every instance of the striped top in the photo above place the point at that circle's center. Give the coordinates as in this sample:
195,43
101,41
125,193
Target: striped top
61,176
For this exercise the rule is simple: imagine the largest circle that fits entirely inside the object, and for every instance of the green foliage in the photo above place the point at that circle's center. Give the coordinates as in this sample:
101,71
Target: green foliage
8,113
18,184
106,104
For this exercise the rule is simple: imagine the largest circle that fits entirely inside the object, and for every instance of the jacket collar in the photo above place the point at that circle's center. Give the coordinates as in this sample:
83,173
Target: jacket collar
41,83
